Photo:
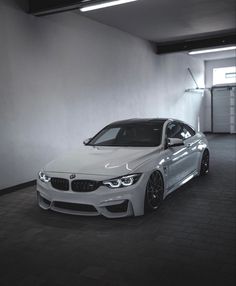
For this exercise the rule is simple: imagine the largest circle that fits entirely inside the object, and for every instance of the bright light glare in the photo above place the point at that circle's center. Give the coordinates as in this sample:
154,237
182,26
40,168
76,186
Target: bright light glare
187,179
212,50
105,5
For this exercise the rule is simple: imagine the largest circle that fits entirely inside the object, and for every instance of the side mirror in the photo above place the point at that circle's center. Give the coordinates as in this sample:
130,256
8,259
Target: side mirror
173,142
86,141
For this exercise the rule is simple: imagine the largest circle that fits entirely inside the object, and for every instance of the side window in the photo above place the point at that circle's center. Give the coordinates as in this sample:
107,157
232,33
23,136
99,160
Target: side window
174,130
187,132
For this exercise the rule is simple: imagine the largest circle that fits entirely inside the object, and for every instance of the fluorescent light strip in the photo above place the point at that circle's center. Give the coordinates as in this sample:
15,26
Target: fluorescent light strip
212,50
105,5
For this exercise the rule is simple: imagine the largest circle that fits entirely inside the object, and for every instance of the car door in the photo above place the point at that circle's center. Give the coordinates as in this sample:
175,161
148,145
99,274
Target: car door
191,142
178,160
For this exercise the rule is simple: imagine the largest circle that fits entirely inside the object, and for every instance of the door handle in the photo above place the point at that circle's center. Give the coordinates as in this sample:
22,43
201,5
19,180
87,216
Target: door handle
188,145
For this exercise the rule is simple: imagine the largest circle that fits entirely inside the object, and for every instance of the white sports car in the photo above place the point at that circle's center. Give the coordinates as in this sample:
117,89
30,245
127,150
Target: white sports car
128,168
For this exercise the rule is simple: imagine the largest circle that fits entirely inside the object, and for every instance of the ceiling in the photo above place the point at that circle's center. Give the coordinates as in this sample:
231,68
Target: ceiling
170,20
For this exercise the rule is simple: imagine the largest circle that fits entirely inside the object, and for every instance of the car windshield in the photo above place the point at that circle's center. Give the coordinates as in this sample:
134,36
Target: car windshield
133,135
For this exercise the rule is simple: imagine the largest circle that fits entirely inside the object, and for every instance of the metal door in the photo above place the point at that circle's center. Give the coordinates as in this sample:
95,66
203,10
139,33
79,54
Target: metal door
221,110
233,110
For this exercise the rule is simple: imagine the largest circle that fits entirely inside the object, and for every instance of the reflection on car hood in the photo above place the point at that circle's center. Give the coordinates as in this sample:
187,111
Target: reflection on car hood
107,161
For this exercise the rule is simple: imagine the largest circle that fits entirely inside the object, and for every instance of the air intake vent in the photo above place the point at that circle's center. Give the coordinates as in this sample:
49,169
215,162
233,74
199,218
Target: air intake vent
118,208
60,184
75,207
84,185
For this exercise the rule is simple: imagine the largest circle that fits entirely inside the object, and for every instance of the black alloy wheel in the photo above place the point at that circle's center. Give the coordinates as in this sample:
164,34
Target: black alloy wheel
205,163
154,191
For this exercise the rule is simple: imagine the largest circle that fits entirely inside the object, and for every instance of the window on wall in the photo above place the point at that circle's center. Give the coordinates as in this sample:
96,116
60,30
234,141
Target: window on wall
224,75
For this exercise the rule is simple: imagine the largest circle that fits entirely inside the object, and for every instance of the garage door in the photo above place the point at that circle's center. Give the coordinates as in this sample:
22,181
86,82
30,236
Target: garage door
224,109
233,110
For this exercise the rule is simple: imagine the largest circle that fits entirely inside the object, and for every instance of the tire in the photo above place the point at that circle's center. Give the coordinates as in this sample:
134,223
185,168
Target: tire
154,192
205,163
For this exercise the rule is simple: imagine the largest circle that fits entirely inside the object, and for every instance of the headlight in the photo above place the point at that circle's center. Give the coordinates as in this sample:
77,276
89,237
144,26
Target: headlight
43,177
122,181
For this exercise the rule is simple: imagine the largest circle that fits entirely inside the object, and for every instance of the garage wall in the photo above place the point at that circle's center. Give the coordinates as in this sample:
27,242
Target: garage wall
63,77
209,66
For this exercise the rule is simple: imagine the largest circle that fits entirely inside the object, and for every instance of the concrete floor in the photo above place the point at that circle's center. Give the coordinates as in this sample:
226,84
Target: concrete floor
190,240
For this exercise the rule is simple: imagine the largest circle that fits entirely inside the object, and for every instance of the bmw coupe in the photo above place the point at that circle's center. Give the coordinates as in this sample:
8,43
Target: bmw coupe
128,168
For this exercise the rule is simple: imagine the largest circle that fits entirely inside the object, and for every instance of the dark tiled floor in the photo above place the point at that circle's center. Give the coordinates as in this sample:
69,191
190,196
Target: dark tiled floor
190,240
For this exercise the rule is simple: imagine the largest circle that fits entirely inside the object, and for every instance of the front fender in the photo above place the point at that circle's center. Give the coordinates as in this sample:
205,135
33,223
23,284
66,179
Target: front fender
153,164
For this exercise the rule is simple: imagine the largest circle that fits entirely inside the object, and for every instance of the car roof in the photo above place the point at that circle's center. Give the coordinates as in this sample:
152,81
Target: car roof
139,120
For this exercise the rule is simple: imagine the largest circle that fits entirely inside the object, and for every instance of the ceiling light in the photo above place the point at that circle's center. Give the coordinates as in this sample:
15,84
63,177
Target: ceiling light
105,5
212,50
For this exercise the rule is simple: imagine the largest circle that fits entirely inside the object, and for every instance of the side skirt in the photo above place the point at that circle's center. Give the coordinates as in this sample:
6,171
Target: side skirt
180,183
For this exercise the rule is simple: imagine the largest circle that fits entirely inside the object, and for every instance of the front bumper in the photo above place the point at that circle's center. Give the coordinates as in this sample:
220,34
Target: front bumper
111,203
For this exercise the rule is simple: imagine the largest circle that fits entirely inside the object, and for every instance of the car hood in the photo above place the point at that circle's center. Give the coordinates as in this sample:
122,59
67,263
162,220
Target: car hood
106,161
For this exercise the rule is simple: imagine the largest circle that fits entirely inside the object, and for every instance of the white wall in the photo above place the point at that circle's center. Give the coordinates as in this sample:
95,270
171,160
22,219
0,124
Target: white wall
64,77
209,66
